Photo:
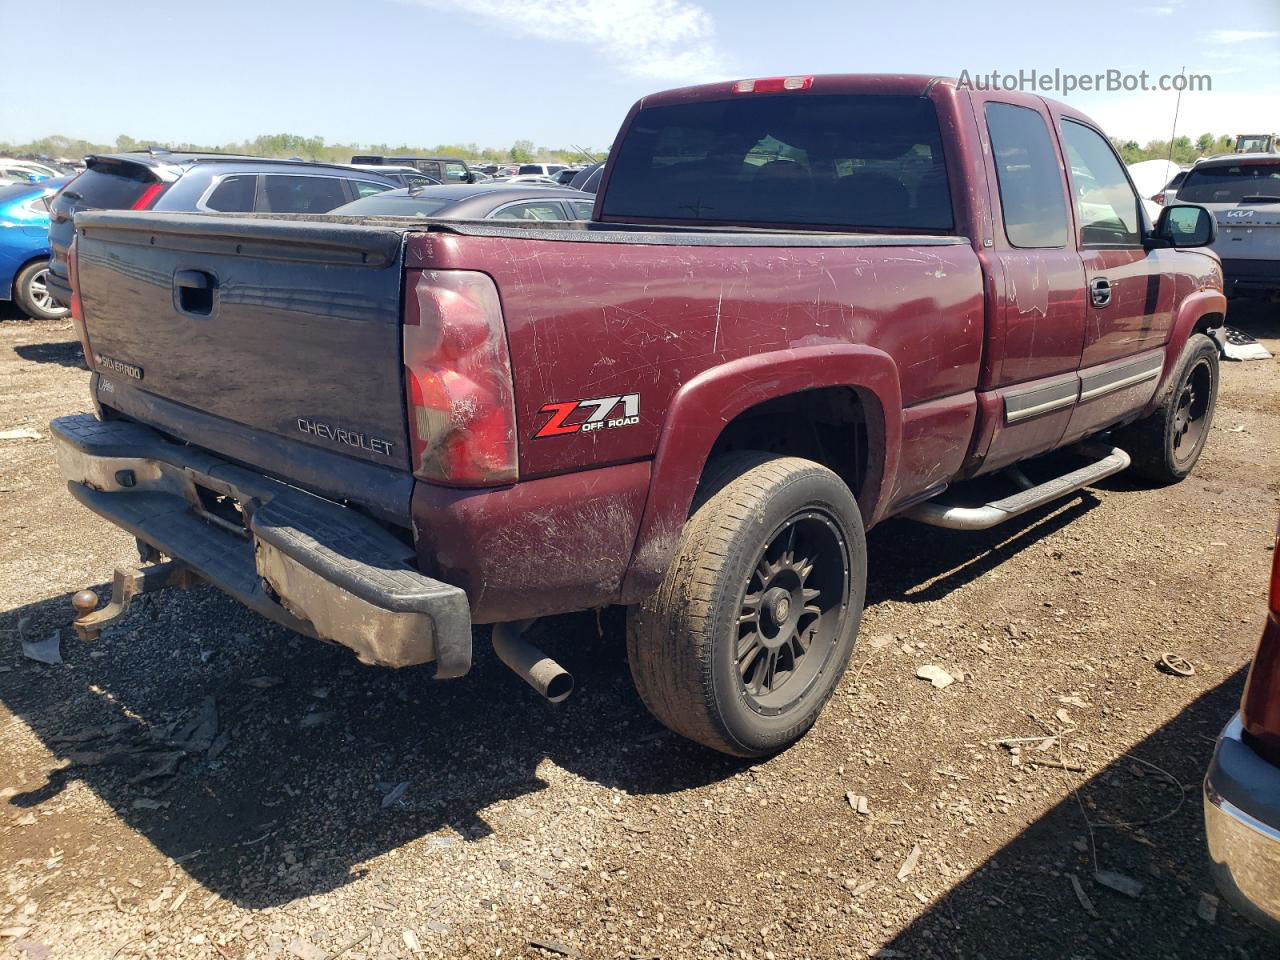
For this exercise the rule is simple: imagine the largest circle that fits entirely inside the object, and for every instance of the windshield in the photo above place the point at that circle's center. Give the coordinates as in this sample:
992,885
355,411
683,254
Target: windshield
400,205
1231,183
849,161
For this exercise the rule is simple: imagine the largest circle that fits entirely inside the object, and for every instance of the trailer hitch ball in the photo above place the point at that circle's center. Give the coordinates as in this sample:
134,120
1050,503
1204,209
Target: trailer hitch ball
84,602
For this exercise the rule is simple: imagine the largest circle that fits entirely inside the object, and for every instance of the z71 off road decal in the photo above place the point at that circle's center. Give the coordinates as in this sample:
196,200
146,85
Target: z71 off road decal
587,416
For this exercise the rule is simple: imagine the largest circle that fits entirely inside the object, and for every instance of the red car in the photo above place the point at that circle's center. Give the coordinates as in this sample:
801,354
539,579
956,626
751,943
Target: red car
1242,788
802,305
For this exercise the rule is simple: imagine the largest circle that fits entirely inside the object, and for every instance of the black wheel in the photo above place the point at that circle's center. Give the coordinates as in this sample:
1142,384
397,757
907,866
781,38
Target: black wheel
747,637
1166,445
31,293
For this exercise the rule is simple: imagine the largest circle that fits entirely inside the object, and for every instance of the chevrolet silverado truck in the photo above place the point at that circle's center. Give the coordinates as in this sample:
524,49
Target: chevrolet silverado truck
803,305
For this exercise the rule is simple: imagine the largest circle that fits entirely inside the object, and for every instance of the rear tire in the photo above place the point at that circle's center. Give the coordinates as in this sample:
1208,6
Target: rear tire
748,635
1166,446
31,293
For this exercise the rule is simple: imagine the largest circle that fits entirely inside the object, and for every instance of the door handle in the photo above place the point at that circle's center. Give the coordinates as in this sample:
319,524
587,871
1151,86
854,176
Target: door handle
1100,290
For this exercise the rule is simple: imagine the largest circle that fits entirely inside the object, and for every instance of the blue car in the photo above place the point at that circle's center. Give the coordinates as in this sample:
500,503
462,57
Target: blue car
24,247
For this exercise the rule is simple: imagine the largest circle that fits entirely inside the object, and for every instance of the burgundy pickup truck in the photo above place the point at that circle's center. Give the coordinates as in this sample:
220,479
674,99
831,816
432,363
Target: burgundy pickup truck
803,305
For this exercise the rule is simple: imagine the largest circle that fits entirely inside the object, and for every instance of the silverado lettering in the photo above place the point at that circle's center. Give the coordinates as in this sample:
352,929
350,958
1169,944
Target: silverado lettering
840,296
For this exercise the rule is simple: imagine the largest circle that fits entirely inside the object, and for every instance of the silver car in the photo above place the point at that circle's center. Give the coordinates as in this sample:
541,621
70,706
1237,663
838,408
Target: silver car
1243,192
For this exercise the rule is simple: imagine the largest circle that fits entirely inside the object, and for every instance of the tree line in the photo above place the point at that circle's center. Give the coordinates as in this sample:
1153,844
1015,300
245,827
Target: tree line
1183,151
284,145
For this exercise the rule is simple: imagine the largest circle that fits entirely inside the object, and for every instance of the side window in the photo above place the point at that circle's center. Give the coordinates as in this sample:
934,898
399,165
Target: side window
455,172
532,210
367,188
234,194
1029,176
582,209
417,181
300,194
1106,205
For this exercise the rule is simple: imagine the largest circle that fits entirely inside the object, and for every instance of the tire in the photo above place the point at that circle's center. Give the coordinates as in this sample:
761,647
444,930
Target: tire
718,653
32,296
1166,446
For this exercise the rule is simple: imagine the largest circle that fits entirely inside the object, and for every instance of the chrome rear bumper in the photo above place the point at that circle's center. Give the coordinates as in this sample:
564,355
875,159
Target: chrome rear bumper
1242,825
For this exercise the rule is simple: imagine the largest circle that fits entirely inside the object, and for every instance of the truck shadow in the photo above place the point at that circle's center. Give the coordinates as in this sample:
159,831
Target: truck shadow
311,741
65,353
1021,903
307,742
914,563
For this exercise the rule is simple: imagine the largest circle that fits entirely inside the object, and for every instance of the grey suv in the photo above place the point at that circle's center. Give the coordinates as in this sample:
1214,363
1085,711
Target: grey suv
188,182
1243,192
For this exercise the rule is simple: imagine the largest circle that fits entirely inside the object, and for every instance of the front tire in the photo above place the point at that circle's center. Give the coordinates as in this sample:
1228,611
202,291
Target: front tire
748,635
31,293
1166,446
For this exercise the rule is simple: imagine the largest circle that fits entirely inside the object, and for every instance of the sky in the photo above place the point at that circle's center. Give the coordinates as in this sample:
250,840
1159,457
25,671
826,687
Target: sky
561,72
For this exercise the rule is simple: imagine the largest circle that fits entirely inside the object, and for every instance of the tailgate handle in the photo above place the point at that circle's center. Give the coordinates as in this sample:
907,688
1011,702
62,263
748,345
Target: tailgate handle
193,291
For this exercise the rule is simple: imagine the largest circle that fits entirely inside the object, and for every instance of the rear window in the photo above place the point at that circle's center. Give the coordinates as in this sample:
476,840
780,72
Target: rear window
850,161
380,205
529,168
114,186
1231,183
292,193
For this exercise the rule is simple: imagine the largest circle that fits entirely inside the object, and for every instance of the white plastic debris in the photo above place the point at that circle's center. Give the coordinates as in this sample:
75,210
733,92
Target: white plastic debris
935,675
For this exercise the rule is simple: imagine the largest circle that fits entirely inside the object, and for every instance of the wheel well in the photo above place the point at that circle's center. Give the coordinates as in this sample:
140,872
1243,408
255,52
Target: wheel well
1208,322
827,425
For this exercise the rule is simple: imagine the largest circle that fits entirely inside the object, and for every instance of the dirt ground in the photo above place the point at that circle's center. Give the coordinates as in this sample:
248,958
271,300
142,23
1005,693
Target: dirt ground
200,783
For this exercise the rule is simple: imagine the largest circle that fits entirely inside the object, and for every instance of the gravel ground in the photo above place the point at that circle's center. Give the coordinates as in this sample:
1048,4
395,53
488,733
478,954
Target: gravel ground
200,783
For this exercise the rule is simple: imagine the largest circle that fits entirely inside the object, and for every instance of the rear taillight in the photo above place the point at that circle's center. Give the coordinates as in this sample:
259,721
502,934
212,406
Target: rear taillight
773,85
1260,706
77,307
458,387
148,196
1158,199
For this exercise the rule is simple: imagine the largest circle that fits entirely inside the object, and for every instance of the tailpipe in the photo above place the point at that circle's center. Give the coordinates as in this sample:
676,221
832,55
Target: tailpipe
529,663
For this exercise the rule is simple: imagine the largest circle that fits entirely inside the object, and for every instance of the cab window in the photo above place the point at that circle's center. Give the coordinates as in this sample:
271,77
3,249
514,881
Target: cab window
1029,177
1106,204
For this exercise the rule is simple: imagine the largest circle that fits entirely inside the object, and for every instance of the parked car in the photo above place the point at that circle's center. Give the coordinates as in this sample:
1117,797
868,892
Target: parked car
799,311
404,176
1243,192
161,180
40,170
16,173
1242,787
478,201
588,178
532,178
540,169
565,176
24,248
443,169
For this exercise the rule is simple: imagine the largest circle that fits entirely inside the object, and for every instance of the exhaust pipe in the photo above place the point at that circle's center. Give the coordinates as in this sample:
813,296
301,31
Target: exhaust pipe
530,664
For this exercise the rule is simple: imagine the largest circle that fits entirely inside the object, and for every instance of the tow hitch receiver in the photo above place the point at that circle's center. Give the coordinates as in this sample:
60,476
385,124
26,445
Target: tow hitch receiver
129,582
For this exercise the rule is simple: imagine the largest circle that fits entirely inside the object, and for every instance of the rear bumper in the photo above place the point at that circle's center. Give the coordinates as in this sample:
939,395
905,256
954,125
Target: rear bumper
1242,826
313,565
59,289
1250,276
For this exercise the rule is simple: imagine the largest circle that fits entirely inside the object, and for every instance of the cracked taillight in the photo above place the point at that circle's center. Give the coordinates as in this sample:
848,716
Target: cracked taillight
458,386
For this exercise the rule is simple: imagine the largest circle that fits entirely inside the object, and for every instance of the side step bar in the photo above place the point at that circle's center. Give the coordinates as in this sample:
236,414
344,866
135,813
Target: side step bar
998,511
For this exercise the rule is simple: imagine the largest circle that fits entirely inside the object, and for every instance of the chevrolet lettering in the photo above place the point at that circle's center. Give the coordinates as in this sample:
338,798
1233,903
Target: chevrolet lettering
352,438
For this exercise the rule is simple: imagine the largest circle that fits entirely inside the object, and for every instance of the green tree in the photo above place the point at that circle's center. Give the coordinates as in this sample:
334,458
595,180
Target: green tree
522,151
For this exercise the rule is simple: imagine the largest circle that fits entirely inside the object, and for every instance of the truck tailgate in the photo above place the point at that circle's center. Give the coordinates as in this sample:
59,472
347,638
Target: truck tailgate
291,328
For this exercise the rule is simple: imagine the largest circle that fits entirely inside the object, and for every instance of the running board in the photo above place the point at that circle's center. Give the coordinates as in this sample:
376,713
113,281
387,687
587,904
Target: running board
990,514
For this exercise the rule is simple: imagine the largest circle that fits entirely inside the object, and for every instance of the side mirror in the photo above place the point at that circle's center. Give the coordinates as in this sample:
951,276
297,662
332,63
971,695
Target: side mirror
1184,225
